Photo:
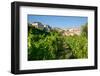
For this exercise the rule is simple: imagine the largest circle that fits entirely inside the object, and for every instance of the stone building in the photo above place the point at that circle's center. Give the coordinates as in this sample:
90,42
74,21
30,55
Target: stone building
47,28
38,25
71,32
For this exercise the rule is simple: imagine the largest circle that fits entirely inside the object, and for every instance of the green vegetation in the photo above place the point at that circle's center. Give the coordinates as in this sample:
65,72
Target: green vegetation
51,45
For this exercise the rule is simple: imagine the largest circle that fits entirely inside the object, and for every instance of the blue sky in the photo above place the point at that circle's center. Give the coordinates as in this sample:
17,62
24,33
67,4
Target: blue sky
58,21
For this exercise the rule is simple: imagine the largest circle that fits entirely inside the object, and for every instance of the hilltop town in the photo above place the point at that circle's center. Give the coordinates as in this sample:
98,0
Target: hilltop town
39,25
64,32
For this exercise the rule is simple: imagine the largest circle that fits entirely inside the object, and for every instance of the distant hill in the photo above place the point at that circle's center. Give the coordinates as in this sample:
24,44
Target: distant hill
39,25
37,31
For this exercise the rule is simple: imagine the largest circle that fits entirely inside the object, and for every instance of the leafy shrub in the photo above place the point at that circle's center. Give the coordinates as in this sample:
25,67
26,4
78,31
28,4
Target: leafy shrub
78,45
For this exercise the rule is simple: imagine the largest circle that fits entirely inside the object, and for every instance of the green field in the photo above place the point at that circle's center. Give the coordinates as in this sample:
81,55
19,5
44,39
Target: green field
43,45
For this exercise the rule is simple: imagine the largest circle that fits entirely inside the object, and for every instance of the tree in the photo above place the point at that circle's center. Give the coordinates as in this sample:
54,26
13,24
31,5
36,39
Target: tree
85,30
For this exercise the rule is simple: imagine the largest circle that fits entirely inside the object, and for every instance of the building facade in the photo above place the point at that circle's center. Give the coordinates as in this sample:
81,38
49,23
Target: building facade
38,25
71,32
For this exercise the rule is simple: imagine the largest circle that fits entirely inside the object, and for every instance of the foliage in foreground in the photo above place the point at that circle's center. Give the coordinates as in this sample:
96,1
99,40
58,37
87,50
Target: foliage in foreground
44,45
